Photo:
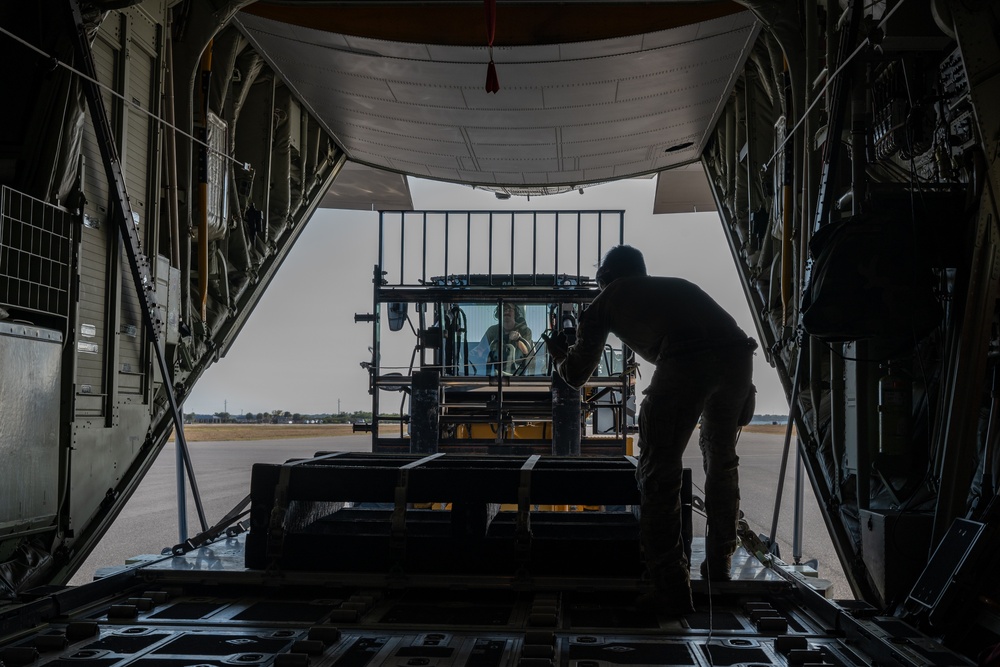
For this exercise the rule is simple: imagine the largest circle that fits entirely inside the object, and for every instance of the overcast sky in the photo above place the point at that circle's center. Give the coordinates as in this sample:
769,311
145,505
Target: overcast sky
301,349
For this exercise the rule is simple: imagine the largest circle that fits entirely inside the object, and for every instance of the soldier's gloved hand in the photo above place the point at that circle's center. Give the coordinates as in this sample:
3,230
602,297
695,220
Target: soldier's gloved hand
557,345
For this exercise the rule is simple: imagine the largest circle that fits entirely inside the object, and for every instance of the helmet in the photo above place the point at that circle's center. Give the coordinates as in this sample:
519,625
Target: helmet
620,262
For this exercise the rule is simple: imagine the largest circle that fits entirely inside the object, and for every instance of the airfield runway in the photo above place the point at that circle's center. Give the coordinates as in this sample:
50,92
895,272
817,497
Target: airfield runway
148,522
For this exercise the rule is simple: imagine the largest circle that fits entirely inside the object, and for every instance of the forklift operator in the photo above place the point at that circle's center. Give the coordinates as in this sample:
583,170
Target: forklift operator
505,343
704,367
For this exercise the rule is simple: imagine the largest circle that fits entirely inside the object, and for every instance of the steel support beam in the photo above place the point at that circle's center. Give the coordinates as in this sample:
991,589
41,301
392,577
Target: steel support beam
138,262
839,91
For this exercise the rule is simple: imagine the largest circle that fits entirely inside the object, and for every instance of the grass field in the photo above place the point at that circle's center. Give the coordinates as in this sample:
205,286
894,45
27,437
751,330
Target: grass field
207,432
241,432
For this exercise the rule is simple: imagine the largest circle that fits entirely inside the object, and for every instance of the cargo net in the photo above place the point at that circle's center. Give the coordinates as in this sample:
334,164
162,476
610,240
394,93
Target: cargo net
36,255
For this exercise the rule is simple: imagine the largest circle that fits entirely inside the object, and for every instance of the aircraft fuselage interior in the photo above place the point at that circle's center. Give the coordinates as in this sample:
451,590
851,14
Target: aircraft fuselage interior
160,158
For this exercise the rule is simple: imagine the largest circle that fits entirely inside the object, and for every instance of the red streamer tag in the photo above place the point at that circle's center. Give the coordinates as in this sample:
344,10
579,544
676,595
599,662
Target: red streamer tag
492,82
491,21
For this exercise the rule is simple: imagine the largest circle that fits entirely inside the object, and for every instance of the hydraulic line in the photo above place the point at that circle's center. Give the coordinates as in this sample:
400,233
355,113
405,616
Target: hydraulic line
174,225
206,74
797,511
793,409
170,141
787,231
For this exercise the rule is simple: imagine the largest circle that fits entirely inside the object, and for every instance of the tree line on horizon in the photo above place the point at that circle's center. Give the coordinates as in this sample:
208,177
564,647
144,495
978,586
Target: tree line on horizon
279,417
770,418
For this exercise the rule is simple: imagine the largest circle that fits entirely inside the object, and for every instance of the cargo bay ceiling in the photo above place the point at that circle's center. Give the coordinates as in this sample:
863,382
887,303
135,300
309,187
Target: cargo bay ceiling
588,92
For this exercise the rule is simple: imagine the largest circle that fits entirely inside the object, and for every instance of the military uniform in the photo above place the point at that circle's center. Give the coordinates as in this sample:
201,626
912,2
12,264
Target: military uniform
704,368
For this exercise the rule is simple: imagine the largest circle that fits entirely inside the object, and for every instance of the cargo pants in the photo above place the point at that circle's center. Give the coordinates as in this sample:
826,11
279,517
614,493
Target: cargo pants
715,385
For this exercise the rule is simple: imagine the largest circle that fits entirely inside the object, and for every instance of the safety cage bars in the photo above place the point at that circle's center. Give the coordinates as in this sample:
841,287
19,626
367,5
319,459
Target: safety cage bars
494,244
